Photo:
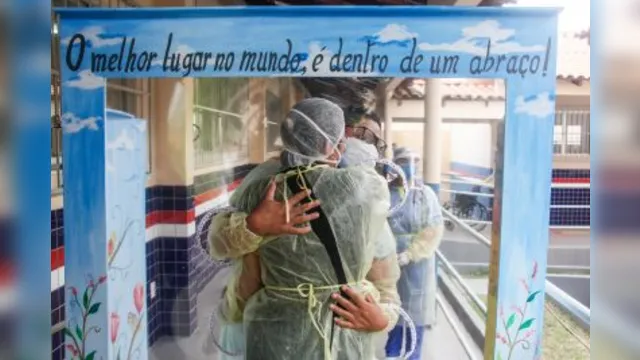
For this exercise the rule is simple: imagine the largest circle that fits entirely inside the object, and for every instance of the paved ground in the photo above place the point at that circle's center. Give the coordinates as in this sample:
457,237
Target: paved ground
566,248
443,341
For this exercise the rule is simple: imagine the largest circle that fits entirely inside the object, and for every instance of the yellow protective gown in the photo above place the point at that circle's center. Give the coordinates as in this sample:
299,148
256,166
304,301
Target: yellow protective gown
290,314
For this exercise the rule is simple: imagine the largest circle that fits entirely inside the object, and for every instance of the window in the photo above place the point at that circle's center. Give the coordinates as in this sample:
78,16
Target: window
571,132
129,95
277,107
220,121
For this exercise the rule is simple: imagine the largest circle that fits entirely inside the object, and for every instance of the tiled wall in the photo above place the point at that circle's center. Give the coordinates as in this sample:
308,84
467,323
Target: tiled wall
176,266
571,196
575,196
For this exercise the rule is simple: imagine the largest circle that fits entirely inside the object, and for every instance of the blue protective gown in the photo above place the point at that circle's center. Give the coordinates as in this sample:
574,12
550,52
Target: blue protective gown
420,211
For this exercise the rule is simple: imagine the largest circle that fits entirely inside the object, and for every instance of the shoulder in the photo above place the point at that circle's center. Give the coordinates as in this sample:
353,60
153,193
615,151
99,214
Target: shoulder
360,182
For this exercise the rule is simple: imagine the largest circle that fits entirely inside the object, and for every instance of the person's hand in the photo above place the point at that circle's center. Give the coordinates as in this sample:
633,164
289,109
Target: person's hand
358,312
403,259
270,217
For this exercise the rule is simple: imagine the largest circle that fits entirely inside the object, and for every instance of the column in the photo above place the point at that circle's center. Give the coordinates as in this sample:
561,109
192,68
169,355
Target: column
172,267
432,141
104,196
432,157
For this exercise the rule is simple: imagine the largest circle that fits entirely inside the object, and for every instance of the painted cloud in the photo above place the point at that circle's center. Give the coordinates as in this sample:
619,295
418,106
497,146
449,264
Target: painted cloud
96,37
475,38
540,106
121,142
86,80
73,124
392,34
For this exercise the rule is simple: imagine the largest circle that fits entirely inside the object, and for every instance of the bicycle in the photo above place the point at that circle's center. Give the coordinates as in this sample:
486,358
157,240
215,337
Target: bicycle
467,207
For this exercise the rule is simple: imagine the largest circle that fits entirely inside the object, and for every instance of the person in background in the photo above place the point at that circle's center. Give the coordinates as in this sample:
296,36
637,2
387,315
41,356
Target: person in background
418,227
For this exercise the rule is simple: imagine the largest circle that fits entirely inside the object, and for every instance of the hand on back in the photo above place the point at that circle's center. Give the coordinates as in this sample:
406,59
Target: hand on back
270,217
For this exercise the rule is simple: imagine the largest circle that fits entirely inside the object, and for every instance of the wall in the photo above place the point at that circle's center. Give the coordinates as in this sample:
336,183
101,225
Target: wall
467,149
452,109
177,197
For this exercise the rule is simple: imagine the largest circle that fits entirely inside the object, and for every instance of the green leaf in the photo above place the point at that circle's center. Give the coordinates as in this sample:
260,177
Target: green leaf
90,356
532,296
526,324
94,308
85,299
79,333
511,320
68,332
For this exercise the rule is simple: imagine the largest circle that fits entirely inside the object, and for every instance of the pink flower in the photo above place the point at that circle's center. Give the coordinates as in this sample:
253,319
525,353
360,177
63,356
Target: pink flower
74,291
517,309
72,349
91,284
115,324
102,279
111,247
535,270
138,297
524,284
501,311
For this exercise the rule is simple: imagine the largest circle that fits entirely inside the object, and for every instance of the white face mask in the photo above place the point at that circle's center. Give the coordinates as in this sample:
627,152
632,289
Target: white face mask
358,152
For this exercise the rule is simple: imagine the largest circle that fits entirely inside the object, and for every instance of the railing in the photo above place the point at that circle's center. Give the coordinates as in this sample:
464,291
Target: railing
559,212
219,136
566,302
572,132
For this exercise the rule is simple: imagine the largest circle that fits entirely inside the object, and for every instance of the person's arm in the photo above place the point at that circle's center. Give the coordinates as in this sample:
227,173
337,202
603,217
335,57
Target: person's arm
234,234
370,313
384,275
424,244
242,284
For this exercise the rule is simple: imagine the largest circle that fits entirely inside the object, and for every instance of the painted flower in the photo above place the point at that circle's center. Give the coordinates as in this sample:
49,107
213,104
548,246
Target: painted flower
72,349
111,245
74,291
524,284
138,297
115,324
517,309
102,279
91,284
535,270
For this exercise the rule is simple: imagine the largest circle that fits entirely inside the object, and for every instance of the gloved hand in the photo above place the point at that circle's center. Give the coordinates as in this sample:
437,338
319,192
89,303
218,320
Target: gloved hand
403,258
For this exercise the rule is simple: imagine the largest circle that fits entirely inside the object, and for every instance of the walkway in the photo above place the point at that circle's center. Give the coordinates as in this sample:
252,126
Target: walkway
200,346
566,249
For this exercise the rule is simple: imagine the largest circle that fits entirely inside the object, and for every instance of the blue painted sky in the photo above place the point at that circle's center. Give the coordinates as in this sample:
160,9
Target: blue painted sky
466,37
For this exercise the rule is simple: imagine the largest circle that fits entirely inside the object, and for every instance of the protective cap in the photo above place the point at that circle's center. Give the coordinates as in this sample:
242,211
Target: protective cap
403,153
312,130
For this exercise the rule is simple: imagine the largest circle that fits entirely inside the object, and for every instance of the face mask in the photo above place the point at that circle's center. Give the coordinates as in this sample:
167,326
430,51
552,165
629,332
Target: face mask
409,171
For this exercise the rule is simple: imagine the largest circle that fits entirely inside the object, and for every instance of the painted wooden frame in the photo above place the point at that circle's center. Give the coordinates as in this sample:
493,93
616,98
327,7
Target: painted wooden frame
515,44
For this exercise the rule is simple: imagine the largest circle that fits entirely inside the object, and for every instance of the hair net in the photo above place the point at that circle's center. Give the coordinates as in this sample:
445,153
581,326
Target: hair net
311,131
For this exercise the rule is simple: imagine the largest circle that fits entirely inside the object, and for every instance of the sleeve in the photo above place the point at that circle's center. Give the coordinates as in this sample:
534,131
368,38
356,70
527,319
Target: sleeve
384,275
385,272
429,235
244,281
229,237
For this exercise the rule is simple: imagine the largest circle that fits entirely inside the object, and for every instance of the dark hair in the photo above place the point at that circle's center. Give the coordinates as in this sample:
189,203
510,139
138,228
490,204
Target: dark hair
373,116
